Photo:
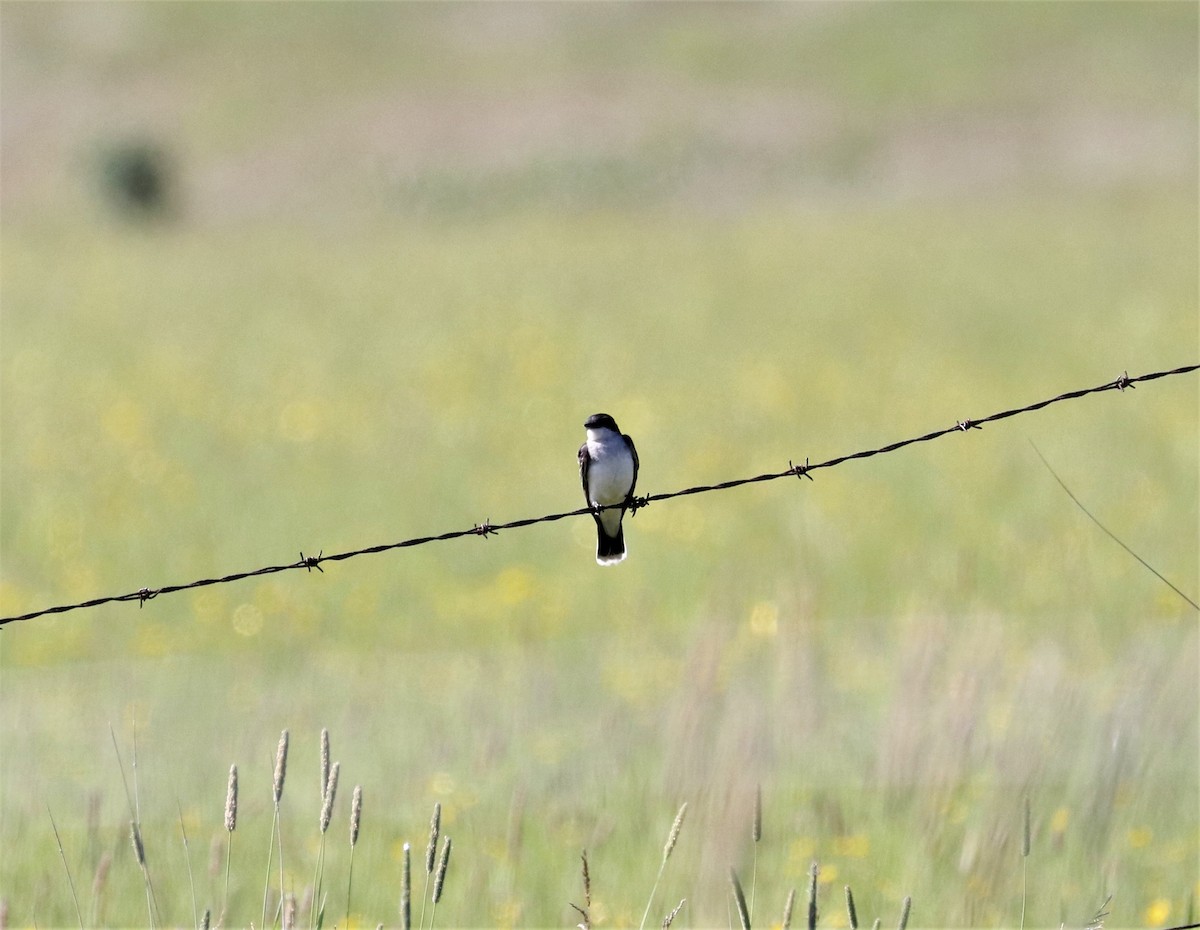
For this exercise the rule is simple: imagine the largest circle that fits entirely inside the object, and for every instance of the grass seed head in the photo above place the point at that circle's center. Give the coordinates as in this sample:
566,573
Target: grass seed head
324,762
673,836
231,800
670,918
330,794
440,878
138,849
280,766
850,909
355,815
758,814
905,908
435,826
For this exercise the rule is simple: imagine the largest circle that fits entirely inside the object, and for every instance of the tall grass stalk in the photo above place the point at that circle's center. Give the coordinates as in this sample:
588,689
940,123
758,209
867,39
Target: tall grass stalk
355,820
739,900
134,803
1025,843
139,850
813,873
435,827
756,833
187,857
63,856
324,762
231,805
99,883
276,831
406,890
151,899
317,908
668,847
585,911
786,923
439,879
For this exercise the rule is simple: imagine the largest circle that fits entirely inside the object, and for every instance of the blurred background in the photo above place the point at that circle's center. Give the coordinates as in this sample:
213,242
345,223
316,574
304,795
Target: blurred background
283,278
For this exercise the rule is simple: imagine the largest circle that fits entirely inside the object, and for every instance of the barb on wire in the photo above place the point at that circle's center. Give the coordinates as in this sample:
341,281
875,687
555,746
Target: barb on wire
487,528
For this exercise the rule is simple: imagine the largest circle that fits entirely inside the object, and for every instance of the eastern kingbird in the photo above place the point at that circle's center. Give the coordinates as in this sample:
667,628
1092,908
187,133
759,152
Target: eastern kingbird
608,467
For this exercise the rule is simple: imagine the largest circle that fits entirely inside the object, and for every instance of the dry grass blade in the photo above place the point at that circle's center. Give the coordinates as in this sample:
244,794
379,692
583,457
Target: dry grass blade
739,899
1097,921
100,883
786,923
187,855
63,855
813,872
1062,484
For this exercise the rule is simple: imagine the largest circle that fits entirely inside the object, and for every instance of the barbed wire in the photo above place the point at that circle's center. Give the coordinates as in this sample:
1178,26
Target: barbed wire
487,528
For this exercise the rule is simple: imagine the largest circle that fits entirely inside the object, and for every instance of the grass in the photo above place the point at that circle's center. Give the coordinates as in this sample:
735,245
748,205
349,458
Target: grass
759,255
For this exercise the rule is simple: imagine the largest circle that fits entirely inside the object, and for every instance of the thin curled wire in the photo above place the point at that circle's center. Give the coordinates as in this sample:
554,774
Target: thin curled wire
487,528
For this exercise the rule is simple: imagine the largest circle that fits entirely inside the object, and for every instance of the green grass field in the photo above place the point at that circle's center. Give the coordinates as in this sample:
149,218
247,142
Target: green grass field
412,248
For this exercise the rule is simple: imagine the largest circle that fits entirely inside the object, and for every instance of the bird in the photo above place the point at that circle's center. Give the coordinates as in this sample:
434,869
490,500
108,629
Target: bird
608,468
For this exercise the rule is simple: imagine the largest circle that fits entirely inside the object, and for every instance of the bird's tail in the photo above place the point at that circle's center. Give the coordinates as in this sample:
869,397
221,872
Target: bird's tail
610,549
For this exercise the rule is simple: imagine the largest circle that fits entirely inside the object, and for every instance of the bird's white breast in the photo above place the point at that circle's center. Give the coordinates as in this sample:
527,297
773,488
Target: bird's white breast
610,473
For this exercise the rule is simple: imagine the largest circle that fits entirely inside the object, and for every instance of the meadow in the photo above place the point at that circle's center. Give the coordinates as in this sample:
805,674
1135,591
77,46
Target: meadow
411,248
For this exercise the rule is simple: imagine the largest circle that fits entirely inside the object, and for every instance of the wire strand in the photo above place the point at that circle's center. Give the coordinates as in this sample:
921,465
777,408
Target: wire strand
487,528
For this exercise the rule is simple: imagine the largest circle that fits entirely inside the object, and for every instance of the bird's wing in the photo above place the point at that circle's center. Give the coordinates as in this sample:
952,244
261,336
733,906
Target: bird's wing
633,452
584,461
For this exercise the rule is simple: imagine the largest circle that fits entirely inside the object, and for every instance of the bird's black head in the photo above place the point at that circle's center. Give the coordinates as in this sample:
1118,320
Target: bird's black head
601,421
